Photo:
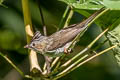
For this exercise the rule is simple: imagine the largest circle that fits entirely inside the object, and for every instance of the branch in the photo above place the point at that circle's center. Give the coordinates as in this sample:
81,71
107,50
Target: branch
71,69
64,17
13,65
34,67
84,50
42,18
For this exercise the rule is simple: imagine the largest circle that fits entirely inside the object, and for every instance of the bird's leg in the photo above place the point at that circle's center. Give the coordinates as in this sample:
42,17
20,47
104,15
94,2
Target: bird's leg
67,51
47,61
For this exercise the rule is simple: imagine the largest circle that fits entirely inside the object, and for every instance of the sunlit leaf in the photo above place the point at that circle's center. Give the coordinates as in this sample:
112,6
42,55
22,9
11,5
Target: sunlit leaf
103,21
89,6
68,1
114,38
112,4
1,1
84,4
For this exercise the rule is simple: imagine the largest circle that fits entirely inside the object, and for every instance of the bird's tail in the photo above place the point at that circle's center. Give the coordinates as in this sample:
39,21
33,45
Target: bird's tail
85,23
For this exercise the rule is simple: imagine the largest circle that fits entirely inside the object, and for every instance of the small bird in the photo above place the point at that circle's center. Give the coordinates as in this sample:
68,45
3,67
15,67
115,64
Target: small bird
58,43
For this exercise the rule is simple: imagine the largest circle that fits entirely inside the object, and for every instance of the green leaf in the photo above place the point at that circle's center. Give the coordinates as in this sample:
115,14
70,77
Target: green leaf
84,4
109,19
1,1
89,6
112,4
105,20
114,39
68,1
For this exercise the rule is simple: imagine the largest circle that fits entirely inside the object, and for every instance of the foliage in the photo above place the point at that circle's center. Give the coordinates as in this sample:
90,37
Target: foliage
12,27
107,19
1,1
114,38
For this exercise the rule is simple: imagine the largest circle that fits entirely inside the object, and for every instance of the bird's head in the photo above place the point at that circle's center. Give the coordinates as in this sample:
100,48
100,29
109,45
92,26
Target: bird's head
37,43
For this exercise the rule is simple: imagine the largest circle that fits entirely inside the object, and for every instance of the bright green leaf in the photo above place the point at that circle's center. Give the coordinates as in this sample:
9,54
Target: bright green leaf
68,1
112,4
114,39
89,6
84,4
1,1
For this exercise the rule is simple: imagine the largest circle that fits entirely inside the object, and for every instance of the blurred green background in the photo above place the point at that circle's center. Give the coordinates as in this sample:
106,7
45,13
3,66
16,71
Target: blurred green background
12,40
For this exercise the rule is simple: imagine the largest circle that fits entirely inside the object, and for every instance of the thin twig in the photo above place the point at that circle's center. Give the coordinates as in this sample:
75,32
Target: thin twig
14,66
45,34
99,45
64,17
69,18
84,50
28,76
58,64
68,71
42,18
73,58
93,42
76,62
54,62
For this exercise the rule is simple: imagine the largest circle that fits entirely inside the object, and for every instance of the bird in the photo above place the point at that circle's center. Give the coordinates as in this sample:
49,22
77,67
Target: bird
58,43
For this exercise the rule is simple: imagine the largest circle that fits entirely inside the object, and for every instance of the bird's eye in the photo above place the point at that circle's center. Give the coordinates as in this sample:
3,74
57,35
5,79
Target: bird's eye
33,44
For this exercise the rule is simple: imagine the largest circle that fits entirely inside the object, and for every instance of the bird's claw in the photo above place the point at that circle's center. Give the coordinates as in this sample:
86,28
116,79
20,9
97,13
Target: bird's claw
67,51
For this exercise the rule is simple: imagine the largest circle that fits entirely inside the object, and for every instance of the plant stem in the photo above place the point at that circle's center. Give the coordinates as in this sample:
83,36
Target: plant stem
68,18
86,14
73,58
68,71
42,18
93,42
58,64
54,62
101,44
81,33
47,63
84,50
29,33
75,63
63,17
14,66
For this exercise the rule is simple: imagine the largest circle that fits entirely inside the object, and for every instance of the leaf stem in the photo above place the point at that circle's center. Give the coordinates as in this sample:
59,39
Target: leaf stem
69,18
93,42
63,17
82,32
13,65
84,50
66,71
54,62
42,18
29,33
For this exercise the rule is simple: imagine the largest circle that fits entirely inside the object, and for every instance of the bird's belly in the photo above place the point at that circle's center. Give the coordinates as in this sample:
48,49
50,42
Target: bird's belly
55,53
59,51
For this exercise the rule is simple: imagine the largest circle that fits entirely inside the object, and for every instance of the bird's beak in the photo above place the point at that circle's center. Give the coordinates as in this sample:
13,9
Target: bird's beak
26,46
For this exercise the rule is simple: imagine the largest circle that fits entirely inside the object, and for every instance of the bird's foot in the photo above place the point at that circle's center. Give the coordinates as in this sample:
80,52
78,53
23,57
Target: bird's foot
67,51
48,61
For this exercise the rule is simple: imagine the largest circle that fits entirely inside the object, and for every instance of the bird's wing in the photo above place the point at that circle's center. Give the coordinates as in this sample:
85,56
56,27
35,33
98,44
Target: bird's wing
60,38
